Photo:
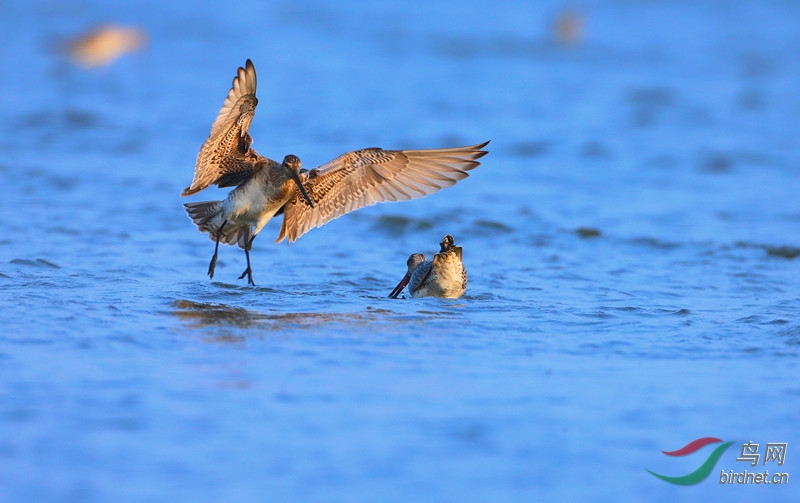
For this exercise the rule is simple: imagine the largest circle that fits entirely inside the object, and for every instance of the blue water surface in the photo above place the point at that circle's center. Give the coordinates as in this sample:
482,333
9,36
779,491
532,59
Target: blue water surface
632,241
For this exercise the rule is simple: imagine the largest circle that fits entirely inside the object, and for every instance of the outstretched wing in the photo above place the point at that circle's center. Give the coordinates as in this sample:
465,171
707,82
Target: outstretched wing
225,158
365,177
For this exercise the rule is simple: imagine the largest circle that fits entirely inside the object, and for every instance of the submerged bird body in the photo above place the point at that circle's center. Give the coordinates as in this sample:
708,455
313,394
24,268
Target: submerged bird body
307,199
444,276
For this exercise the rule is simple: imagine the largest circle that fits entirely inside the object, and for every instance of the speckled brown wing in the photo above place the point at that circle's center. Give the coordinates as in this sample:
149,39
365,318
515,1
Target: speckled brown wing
419,275
226,159
365,177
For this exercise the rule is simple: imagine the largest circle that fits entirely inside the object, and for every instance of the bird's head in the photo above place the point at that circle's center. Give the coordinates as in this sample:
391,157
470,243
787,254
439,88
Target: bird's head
413,261
291,163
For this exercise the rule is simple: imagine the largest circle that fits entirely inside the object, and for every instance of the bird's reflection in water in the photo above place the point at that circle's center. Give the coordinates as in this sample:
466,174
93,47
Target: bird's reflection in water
203,314
206,314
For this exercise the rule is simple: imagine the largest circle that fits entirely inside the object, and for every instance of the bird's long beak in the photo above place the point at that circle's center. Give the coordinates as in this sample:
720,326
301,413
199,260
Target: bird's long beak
296,177
400,286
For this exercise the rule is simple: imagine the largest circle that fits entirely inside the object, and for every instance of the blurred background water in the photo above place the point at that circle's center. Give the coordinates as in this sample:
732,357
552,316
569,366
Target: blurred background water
632,241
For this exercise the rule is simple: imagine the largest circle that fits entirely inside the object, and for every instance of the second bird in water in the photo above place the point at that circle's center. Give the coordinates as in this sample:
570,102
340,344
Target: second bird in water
444,276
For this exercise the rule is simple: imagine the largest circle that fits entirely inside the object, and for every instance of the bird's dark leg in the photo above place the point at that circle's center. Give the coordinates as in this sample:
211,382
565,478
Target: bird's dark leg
248,272
213,263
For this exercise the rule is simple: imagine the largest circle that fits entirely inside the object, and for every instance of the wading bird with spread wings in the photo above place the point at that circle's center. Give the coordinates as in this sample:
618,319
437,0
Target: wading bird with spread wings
306,199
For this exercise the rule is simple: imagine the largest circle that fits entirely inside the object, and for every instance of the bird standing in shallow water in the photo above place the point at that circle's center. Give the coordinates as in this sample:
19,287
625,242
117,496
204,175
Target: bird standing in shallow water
444,276
306,199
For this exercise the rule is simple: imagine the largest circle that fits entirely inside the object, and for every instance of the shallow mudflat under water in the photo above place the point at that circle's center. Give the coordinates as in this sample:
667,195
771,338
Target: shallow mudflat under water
632,242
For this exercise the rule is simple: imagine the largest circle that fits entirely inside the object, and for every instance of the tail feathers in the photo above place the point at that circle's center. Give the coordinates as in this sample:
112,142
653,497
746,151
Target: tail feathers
206,216
202,214
441,258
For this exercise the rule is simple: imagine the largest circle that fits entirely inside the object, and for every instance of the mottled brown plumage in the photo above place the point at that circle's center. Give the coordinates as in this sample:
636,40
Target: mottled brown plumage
226,159
307,199
365,177
252,204
444,276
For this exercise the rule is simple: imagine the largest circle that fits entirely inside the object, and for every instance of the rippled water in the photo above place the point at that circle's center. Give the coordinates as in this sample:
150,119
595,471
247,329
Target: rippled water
632,242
